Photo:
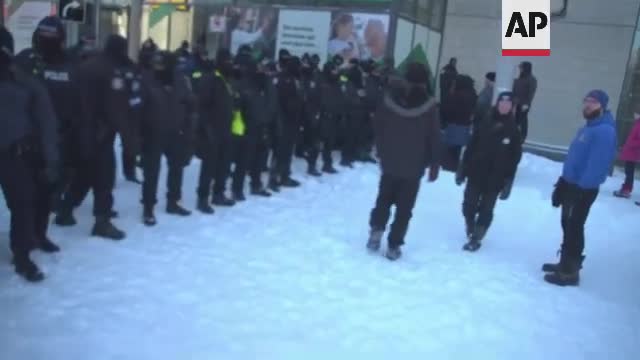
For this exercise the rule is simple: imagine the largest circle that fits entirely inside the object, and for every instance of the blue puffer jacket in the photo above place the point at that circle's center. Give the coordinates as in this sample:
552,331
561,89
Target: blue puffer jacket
591,153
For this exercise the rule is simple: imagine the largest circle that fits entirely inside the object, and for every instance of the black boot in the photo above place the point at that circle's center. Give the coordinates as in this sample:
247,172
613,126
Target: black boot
48,246
347,164
475,241
148,217
273,186
222,200
27,268
204,207
553,267
375,239
393,253
239,196
369,159
132,178
174,208
567,274
259,191
105,229
65,218
313,171
329,169
290,183
113,214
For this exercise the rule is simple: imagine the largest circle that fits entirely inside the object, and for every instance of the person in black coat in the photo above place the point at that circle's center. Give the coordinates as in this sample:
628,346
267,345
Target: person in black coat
374,92
312,100
331,105
524,90
167,129
458,110
29,154
408,138
489,166
290,108
106,110
50,63
216,98
447,78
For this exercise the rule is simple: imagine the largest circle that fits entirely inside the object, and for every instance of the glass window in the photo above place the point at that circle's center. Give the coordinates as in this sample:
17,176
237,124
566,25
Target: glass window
407,8
630,97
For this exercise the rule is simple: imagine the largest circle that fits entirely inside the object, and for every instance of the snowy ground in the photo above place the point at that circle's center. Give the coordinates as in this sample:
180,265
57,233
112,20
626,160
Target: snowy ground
289,278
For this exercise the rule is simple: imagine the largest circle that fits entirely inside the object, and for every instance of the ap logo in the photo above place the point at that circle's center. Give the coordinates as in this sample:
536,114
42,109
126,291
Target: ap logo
526,27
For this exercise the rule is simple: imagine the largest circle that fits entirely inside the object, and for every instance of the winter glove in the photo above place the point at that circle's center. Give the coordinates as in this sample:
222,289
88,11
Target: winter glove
434,171
506,190
560,192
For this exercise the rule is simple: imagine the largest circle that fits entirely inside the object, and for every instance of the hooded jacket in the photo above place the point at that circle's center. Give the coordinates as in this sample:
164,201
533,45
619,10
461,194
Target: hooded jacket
591,153
631,149
493,154
524,87
408,139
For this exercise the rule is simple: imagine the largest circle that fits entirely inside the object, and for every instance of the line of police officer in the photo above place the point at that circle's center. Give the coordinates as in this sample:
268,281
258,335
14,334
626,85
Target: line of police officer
234,116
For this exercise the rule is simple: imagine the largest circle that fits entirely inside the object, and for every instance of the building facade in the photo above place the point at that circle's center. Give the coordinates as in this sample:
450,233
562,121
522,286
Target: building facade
592,46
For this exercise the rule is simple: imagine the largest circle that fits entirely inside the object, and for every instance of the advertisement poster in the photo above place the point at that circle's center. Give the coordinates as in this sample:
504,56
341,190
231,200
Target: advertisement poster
23,17
359,36
302,32
253,26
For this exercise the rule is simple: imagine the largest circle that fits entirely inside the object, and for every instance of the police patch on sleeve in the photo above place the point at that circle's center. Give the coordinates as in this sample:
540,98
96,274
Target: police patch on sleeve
135,86
313,84
275,81
506,141
117,83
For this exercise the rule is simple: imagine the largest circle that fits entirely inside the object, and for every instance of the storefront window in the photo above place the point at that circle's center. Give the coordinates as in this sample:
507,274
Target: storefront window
630,97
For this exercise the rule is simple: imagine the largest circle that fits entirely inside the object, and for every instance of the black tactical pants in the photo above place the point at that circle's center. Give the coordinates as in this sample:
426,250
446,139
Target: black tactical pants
97,174
152,152
214,168
478,205
575,211
399,192
17,181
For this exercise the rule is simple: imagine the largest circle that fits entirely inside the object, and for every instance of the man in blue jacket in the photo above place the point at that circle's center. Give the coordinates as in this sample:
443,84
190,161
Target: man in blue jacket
586,167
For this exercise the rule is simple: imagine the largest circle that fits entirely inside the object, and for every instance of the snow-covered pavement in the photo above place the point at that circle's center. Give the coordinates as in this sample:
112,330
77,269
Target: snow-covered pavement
289,278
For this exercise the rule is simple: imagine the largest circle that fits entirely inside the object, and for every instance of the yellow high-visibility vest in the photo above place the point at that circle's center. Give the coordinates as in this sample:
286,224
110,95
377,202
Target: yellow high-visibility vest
238,127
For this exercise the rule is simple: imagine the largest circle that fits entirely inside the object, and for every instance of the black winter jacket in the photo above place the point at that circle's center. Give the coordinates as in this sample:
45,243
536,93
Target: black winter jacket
408,139
493,154
216,105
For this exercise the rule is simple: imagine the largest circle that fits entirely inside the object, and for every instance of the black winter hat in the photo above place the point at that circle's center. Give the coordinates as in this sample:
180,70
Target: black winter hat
527,67
491,76
51,27
283,54
6,41
505,96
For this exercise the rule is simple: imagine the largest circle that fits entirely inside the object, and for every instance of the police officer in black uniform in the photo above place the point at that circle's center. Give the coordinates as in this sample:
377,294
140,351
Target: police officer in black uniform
28,151
167,129
353,111
289,92
311,96
331,112
106,111
49,63
215,105
374,92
